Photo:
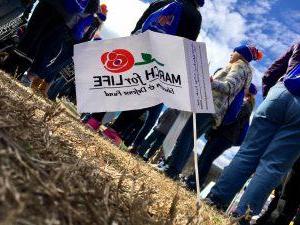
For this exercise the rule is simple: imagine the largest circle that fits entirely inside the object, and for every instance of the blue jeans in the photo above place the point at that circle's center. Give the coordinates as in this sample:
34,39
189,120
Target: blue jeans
270,149
185,143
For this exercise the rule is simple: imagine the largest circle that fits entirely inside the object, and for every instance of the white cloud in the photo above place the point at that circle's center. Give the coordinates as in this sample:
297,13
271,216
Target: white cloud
222,30
122,17
272,33
227,23
292,19
256,8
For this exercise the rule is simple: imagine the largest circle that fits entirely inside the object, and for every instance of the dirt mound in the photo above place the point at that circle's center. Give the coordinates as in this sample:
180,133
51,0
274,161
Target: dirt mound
55,171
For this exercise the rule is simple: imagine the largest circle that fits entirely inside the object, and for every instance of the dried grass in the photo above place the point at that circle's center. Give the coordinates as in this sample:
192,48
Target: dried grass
54,171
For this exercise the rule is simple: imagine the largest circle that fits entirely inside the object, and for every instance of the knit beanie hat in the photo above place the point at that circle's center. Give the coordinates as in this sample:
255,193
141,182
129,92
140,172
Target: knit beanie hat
103,12
249,52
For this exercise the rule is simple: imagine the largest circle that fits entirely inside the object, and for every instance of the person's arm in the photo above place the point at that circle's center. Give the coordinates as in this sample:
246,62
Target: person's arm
234,82
276,71
29,7
81,27
190,23
93,28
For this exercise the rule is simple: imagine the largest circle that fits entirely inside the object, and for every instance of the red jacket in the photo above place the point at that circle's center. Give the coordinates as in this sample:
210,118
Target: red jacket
280,67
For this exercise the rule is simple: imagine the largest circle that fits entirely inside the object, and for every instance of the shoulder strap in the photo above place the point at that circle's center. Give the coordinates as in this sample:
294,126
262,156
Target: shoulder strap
165,20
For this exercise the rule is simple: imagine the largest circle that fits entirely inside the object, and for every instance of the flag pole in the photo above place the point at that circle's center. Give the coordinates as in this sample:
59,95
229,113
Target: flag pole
196,159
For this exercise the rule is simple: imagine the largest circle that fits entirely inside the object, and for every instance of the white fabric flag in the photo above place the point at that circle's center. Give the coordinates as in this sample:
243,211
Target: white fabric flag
141,71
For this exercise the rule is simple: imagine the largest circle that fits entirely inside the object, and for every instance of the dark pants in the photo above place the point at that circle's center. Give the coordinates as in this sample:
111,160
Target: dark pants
297,218
185,144
290,194
43,21
55,55
263,220
153,114
98,116
149,146
214,147
128,135
125,119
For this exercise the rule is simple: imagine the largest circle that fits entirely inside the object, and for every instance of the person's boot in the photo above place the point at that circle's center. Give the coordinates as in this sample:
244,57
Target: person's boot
85,117
190,183
112,135
171,173
43,88
216,202
133,150
297,218
35,84
93,124
244,222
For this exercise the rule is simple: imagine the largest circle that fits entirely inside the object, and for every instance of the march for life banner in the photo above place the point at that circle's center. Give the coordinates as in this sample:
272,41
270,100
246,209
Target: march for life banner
141,71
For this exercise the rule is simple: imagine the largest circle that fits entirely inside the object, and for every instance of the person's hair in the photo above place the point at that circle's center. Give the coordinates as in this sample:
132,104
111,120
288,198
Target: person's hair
217,70
252,100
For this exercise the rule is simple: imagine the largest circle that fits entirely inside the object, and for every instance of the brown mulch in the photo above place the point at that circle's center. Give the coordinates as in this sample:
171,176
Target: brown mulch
54,171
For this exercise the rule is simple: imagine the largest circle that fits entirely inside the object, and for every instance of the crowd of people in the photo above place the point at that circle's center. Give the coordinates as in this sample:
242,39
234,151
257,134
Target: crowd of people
36,47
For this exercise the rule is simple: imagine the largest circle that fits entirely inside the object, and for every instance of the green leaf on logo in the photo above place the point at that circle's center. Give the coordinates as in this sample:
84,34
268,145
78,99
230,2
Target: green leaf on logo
147,57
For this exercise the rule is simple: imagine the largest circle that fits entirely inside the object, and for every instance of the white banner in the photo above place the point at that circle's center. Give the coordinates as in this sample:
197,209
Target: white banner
141,71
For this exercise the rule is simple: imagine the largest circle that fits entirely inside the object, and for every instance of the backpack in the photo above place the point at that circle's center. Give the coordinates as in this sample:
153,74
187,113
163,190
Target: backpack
234,108
75,6
165,20
292,80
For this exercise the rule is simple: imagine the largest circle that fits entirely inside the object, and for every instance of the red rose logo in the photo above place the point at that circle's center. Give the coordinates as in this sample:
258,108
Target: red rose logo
117,61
